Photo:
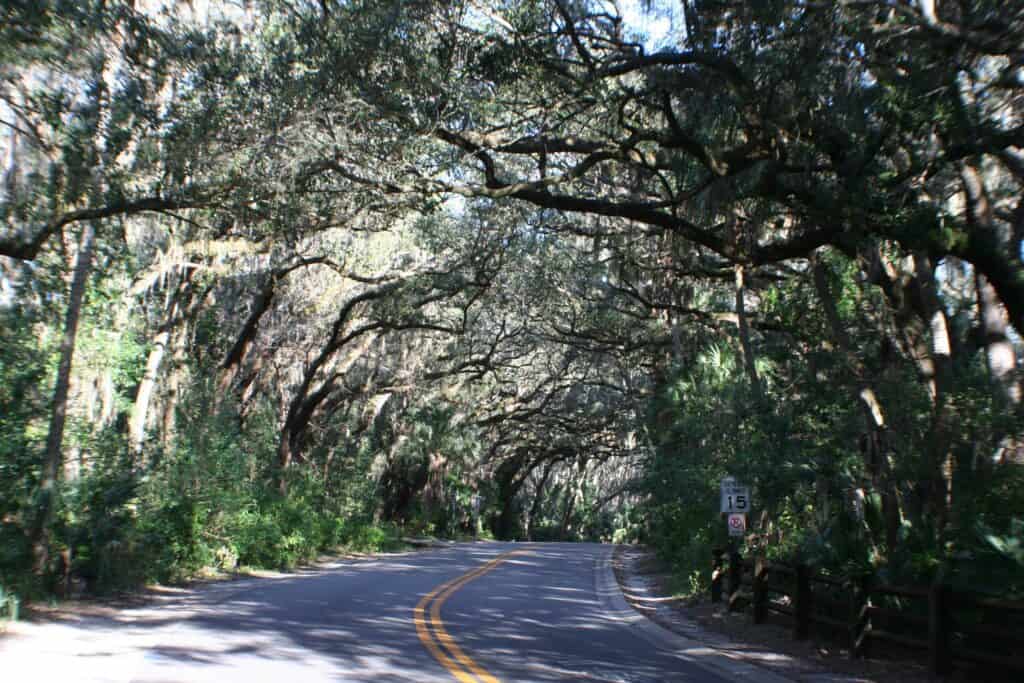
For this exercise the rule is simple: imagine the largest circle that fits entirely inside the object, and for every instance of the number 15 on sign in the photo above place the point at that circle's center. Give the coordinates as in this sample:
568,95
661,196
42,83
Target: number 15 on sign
735,499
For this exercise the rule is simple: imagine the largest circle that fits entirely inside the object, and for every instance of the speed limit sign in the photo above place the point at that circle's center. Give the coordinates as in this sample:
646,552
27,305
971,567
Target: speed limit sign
737,524
735,497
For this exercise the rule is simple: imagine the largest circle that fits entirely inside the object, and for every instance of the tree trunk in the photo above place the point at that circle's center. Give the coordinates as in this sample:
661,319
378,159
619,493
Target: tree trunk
284,460
235,357
53,457
538,496
749,363
876,451
573,496
570,506
923,328
508,488
170,407
305,403
140,410
9,179
999,352
161,343
940,446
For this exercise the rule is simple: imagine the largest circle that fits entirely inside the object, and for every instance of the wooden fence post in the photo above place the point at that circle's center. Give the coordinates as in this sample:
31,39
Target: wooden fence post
716,574
760,589
802,603
857,615
735,575
866,626
940,660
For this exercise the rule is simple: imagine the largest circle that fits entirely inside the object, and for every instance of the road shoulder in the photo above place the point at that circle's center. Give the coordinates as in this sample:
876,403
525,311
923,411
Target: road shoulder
83,608
768,648
691,643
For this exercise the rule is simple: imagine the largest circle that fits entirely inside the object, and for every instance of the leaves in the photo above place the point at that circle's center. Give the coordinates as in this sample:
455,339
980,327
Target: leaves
395,257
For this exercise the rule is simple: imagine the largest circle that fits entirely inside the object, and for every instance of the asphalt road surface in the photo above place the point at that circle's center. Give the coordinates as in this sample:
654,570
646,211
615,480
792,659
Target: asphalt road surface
482,612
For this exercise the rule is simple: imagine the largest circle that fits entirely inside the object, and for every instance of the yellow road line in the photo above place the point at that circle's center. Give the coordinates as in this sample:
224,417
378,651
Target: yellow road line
442,634
436,638
432,647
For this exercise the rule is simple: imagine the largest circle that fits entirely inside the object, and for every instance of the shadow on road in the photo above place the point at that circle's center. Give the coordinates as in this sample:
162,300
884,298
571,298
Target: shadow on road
536,617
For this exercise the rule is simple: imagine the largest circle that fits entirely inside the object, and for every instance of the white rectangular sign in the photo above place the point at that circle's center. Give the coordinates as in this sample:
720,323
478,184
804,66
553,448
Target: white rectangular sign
737,524
735,498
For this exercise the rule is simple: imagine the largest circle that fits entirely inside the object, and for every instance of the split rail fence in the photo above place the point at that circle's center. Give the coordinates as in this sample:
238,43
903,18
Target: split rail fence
947,625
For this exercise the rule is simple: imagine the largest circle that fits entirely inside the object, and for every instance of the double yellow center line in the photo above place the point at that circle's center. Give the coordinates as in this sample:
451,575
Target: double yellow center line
437,640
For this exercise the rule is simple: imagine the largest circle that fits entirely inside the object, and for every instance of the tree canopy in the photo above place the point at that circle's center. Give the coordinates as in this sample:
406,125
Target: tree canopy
280,275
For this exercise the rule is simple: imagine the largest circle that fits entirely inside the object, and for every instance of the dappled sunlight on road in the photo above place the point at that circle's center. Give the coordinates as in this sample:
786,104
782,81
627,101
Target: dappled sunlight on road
540,618
347,621
534,617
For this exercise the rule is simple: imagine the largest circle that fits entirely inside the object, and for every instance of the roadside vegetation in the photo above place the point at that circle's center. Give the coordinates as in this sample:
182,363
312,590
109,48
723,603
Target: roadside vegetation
280,277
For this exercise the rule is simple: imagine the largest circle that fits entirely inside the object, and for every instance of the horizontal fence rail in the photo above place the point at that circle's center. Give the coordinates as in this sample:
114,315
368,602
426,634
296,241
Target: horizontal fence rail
944,624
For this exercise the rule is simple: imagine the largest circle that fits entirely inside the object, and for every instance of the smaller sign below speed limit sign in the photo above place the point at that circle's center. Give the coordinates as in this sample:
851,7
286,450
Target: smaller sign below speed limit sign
737,524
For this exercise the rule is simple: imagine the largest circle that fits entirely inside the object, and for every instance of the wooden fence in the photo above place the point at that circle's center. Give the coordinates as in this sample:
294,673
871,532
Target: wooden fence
948,625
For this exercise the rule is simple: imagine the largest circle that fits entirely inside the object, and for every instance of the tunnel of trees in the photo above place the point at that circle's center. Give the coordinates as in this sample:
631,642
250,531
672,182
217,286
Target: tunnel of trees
279,276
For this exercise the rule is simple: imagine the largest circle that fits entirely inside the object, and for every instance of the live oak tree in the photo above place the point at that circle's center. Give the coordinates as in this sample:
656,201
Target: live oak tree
374,259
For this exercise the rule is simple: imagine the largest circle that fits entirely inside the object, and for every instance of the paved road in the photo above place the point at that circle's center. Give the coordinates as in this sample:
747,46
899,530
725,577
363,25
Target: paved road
473,612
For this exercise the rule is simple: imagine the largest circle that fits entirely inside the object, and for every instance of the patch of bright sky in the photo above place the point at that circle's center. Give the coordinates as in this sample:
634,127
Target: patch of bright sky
657,25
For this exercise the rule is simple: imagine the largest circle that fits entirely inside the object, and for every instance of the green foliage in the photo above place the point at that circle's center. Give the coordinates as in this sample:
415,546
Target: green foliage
1002,567
15,564
25,367
10,605
508,334
684,537
205,504
96,523
795,453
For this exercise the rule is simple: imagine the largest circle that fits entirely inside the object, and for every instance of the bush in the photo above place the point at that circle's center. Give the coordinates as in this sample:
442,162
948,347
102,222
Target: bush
15,559
170,541
363,537
10,605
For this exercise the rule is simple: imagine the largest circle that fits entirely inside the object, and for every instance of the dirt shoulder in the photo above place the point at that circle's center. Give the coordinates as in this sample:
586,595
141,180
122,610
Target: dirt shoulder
83,606
644,582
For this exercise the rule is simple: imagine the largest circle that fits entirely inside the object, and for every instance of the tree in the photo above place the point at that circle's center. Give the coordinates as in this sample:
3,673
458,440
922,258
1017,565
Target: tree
408,253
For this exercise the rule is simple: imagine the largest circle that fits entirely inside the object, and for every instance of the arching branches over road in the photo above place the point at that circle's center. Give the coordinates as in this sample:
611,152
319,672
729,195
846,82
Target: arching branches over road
440,263
791,128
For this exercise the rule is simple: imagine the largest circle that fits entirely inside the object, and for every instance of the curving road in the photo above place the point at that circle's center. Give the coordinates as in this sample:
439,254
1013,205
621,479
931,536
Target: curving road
472,612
